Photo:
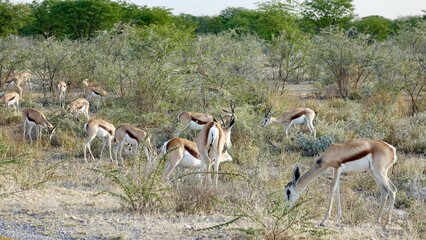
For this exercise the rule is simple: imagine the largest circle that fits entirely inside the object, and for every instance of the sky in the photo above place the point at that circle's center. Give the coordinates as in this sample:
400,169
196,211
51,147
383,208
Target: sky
386,8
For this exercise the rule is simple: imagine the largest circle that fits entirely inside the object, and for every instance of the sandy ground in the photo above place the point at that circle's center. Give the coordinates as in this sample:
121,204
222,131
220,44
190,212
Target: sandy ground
61,211
57,212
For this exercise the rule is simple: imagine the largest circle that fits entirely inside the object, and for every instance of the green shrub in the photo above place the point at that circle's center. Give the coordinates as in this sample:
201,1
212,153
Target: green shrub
139,189
310,146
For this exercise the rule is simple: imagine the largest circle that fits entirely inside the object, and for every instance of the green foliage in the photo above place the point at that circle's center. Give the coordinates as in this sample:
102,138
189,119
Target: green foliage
377,27
13,17
144,16
288,54
311,146
348,60
73,19
321,14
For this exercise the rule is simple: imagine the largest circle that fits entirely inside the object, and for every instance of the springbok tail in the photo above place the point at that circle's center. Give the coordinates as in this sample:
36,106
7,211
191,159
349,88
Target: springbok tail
163,148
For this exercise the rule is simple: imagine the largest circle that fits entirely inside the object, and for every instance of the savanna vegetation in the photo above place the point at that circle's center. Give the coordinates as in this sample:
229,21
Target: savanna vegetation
365,78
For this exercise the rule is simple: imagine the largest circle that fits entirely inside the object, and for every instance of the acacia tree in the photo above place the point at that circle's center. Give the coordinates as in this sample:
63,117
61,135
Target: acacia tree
349,60
13,55
227,66
410,64
49,59
289,51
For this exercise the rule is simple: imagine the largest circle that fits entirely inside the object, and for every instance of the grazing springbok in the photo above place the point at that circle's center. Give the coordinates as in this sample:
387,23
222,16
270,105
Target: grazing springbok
92,91
353,156
98,128
61,91
196,121
78,106
182,152
135,136
36,118
295,116
213,141
10,99
17,79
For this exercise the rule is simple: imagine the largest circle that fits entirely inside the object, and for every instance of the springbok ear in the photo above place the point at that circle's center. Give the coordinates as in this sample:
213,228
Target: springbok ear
296,174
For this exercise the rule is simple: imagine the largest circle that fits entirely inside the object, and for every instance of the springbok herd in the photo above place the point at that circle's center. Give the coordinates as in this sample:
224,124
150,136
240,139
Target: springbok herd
213,142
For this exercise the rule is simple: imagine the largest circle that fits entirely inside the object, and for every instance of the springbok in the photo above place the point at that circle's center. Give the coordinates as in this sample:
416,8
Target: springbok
213,141
196,121
92,91
182,152
17,79
10,99
98,128
295,116
135,136
61,91
36,118
353,156
78,106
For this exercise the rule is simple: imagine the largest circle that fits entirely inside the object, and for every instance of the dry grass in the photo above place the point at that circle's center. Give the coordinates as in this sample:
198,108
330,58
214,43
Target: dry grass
49,186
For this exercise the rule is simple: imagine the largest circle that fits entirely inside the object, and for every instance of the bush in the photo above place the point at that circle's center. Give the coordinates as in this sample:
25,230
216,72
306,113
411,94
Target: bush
311,146
408,134
140,189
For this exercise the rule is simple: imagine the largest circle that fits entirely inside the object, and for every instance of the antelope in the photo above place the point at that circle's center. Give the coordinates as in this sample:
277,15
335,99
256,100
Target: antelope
355,155
180,151
135,136
10,98
213,141
98,128
196,121
36,118
92,91
61,90
295,116
80,105
17,79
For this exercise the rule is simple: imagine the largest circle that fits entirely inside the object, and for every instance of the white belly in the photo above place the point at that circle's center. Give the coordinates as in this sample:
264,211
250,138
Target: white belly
102,133
195,126
299,120
12,102
130,140
360,165
31,123
95,95
189,161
